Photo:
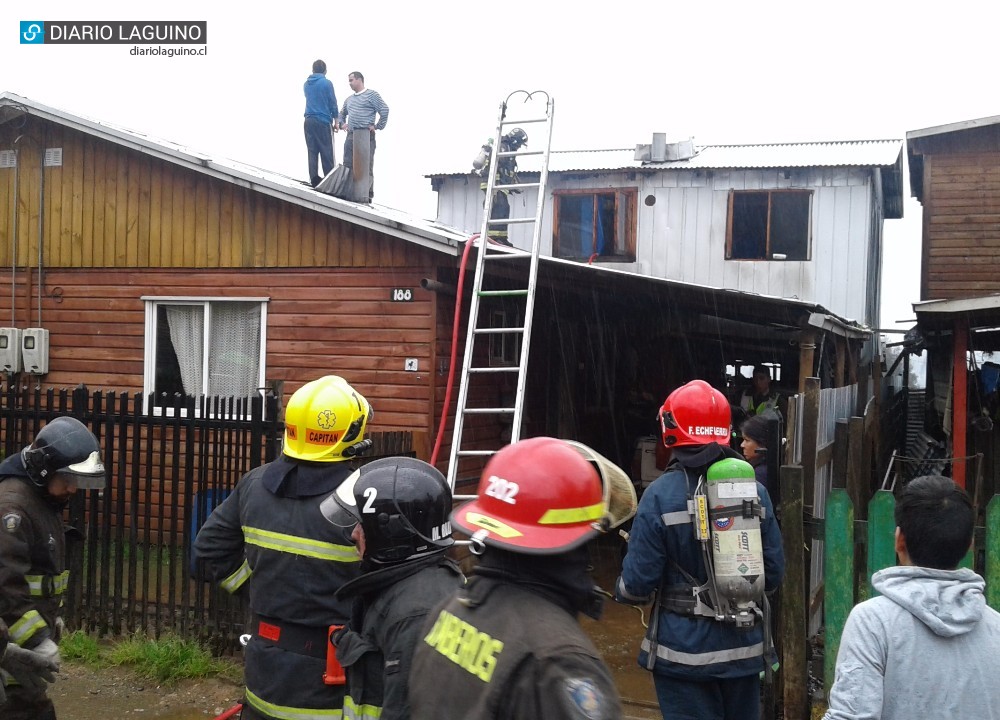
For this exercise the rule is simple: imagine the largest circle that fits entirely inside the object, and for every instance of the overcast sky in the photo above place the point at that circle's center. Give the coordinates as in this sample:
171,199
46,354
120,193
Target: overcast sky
722,72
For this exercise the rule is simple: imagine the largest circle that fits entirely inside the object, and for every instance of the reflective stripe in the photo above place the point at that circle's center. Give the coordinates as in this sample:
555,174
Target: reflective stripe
36,583
563,516
623,593
26,626
354,711
707,658
300,545
283,712
676,518
235,581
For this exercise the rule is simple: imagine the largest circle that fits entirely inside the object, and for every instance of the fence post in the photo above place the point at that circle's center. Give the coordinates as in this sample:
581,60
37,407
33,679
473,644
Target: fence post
838,576
881,535
810,433
993,552
792,620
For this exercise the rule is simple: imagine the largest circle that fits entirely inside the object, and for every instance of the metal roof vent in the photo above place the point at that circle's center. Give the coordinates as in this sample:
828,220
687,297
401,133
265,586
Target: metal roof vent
661,151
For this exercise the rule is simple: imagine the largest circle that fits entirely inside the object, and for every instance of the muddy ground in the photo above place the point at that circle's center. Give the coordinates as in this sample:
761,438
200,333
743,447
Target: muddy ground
84,693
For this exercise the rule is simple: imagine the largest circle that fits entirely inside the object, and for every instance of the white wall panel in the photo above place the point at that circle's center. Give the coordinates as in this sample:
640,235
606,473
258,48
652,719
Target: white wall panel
682,236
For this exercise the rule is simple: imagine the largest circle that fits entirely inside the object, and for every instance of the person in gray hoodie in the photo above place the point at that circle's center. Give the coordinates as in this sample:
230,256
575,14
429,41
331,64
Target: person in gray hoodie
925,648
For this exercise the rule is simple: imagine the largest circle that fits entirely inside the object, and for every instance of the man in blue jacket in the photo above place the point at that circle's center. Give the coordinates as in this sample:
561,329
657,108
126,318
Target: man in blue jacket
703,668
321,111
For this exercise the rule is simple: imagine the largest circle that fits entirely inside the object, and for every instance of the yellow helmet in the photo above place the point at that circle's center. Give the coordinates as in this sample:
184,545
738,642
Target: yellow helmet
325,421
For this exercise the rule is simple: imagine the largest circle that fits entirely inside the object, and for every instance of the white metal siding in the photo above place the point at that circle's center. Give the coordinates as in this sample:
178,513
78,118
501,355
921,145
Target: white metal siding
682,236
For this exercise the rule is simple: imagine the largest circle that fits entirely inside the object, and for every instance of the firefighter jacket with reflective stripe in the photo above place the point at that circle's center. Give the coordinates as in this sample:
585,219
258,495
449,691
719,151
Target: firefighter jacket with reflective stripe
385,626
33,573
662,545
293,561
498,650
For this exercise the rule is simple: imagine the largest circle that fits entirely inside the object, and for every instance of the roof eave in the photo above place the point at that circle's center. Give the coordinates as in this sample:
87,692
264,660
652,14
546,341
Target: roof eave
340,209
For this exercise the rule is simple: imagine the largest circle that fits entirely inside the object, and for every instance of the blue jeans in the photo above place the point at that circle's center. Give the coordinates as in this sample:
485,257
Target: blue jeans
319,145
709,699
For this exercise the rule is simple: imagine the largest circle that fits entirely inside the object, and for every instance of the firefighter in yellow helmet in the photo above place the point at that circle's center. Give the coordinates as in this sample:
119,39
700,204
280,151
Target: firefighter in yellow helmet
270,538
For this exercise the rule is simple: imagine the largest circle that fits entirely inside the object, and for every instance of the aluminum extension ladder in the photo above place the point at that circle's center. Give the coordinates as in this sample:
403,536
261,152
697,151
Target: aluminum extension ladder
520,334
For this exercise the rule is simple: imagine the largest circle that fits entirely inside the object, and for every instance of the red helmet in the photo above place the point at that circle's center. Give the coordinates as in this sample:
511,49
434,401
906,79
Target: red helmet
546,496
695,414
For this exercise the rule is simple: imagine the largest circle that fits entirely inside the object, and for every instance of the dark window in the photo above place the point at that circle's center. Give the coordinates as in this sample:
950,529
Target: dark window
598,225
769,225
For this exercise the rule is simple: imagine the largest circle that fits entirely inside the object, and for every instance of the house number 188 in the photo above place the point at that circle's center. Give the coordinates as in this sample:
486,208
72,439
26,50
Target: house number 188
402,295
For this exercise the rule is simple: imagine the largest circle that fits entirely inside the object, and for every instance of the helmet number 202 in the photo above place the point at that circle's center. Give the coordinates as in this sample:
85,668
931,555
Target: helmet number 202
370,494
503,490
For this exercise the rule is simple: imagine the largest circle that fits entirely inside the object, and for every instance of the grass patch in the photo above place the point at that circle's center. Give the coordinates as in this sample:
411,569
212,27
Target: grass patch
80,647
166,660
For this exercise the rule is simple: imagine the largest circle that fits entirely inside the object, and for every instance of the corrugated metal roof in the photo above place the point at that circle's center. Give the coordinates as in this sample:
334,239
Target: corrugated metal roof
851,153
953,127
428,233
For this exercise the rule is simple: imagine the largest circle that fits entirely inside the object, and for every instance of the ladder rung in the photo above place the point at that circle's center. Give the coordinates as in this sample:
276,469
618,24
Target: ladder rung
477,453
523,122
506,254
519,153
502,293
489,411
517,186
498,330
498,369
512,221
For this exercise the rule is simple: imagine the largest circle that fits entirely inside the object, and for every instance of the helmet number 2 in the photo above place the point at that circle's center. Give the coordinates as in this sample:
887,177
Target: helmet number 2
503,490
370,494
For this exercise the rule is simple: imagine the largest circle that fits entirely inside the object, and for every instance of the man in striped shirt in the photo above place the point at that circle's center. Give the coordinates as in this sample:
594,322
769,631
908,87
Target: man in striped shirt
364,109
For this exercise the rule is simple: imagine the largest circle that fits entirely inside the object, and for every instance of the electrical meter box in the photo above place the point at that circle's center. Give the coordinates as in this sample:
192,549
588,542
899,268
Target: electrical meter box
35,350
10,350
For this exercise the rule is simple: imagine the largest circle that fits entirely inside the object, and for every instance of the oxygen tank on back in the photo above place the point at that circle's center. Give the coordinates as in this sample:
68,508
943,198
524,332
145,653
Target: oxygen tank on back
737,551
483,158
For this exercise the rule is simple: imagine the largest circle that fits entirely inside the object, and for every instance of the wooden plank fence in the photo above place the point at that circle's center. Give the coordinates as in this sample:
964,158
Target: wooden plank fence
842,533
129,556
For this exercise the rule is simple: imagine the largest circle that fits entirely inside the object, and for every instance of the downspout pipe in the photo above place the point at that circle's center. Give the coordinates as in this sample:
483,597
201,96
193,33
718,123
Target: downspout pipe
41,226
13,238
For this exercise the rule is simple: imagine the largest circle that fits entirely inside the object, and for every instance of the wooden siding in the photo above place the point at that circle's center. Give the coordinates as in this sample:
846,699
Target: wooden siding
961,225
113,207
319,322
682,235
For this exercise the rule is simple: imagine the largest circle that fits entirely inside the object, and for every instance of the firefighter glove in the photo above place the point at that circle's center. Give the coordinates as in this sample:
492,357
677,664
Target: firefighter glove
33,669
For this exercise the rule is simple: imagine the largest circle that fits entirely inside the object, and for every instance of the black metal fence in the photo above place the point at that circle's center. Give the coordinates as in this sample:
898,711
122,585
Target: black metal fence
130,545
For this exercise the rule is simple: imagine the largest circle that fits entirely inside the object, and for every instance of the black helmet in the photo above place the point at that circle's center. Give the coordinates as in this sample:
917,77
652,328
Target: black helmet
516,138
402,504
65,445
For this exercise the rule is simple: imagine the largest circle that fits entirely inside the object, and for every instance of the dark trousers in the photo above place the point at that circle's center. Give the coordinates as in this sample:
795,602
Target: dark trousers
349,159
319,145
26,705
710,699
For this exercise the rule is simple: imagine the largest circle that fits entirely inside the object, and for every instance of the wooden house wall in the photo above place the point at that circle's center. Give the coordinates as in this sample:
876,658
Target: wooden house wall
961,225
682,233
318,322
115,207
113,224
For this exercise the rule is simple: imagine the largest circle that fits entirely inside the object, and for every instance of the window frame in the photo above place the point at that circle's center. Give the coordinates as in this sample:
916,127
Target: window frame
152,303
767,240
626,198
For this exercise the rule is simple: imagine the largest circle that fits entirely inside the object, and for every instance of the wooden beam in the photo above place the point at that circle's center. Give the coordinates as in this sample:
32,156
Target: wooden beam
807,353
810,426
958,402
793,618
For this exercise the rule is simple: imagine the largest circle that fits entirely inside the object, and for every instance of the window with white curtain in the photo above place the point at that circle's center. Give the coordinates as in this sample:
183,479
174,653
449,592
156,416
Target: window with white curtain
204,346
